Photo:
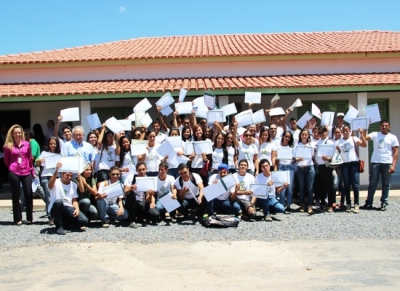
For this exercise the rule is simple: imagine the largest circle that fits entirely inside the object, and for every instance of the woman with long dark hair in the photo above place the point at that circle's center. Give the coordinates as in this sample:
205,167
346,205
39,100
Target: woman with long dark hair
107,155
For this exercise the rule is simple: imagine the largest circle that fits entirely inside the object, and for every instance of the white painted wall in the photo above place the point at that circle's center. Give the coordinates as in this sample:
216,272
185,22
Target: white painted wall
215,69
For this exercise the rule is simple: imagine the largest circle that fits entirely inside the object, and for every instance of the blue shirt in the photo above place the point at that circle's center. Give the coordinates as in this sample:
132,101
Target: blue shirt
85,149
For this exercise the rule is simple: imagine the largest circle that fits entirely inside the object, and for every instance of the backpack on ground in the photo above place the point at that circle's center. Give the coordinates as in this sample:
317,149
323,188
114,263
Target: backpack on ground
221,221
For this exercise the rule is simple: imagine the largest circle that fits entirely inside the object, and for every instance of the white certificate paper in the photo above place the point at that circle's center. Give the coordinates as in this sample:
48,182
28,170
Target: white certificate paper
259,116
303,120
296,103
259,190
215,115
280,177
277,111
189,149
176,142
169,203
284,153
70,164
244,118
138,147
145,121
229,109
201,111
209,100
166,149
303,152
203,146
212,191
327,150
70,114
252,97
229,181
142,106
166,111
145,184
94,121
126,123
372,112
316,111
51,161
184,107
165,100
182,94
115,126
351,113
114,190
327,118
359,122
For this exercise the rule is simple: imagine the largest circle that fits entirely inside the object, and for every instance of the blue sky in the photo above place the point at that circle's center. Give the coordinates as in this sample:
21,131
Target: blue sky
27,26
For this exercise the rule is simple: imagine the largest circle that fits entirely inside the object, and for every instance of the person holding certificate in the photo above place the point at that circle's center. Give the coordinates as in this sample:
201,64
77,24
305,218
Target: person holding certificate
64,206
270,204
18,160
324,182
350,169
124,159
140,204
87,191
286,164
249,151
151,158
190,191
200,160
383,163
52,147
107,155
226,202
111,207
243,194
267,147
165,183
305,172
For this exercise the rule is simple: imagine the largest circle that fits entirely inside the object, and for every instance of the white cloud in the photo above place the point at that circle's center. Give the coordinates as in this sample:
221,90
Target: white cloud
122,9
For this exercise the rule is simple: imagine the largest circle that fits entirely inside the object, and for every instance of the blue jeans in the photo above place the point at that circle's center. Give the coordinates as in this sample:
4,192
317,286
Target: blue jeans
88,209
379,170
288,192
45,185
305,181
272,205
64,215
109,211
351,176
225,206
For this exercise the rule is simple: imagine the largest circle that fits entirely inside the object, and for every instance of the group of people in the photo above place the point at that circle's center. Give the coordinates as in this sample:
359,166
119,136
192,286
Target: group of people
250,154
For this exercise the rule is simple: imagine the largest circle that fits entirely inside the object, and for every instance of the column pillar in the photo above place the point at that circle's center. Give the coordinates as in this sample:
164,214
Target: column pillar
85,111
362,100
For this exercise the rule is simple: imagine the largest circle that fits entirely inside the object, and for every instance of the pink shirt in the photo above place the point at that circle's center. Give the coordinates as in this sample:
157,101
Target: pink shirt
25,167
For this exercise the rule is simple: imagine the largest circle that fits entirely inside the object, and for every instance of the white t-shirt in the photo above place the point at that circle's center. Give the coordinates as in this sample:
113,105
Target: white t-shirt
295,134
244,182
383,147
327,141
64,192
247,152
128,161
266,149
140,195
114,199
224,196
261,179
153,159
217,156
231,157
165,185
194,188
347,149
107,158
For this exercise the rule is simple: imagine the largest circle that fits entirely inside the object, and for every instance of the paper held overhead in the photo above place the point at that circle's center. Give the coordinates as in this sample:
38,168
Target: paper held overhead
359,122
199,101
94,121
138,117
315,111
275,98
296,103
165,100
327,118
184,107
252,97
244,118
229,109
126,123
209,100
215,115
351,113
201,111
303,120
167,111
259,116
182,94
146,121
114,125
277,111
142,106
70,114
372,112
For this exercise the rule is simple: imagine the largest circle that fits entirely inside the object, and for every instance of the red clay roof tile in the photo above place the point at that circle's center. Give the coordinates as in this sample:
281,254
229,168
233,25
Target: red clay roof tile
198,84
220,46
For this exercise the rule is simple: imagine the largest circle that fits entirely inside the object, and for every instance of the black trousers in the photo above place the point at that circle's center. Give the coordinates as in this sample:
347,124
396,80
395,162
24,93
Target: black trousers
139,210
324,184
26,182
65,215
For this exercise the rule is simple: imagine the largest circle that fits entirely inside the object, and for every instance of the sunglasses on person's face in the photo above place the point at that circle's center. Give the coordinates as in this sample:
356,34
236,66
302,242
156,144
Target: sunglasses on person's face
183,173
248,135
115,174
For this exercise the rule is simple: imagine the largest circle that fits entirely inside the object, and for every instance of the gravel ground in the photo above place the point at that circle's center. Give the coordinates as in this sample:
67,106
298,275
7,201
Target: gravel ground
373,224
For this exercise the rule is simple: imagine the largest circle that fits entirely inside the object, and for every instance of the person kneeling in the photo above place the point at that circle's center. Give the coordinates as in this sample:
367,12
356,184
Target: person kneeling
111,207
270,204
64,206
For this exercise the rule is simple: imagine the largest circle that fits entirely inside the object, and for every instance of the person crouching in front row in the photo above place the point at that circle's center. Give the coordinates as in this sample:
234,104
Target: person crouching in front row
64,206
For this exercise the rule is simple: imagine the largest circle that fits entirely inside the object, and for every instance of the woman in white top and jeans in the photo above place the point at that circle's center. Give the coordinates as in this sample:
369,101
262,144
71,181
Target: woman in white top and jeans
287,165
107,156
351,165
249,152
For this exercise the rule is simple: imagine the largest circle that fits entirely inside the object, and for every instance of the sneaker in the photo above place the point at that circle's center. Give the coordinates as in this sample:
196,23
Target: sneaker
167,216
310,210
348,208
383,207
51,221
367,206
83,228
329,209
356,208
268,218
105,224
61,231
302,208
133,225
173,219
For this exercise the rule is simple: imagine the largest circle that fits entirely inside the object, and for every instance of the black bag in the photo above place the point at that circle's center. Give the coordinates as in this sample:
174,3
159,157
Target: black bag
221,221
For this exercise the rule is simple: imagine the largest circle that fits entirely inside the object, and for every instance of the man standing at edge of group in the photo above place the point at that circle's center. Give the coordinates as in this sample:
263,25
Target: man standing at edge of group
383,163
